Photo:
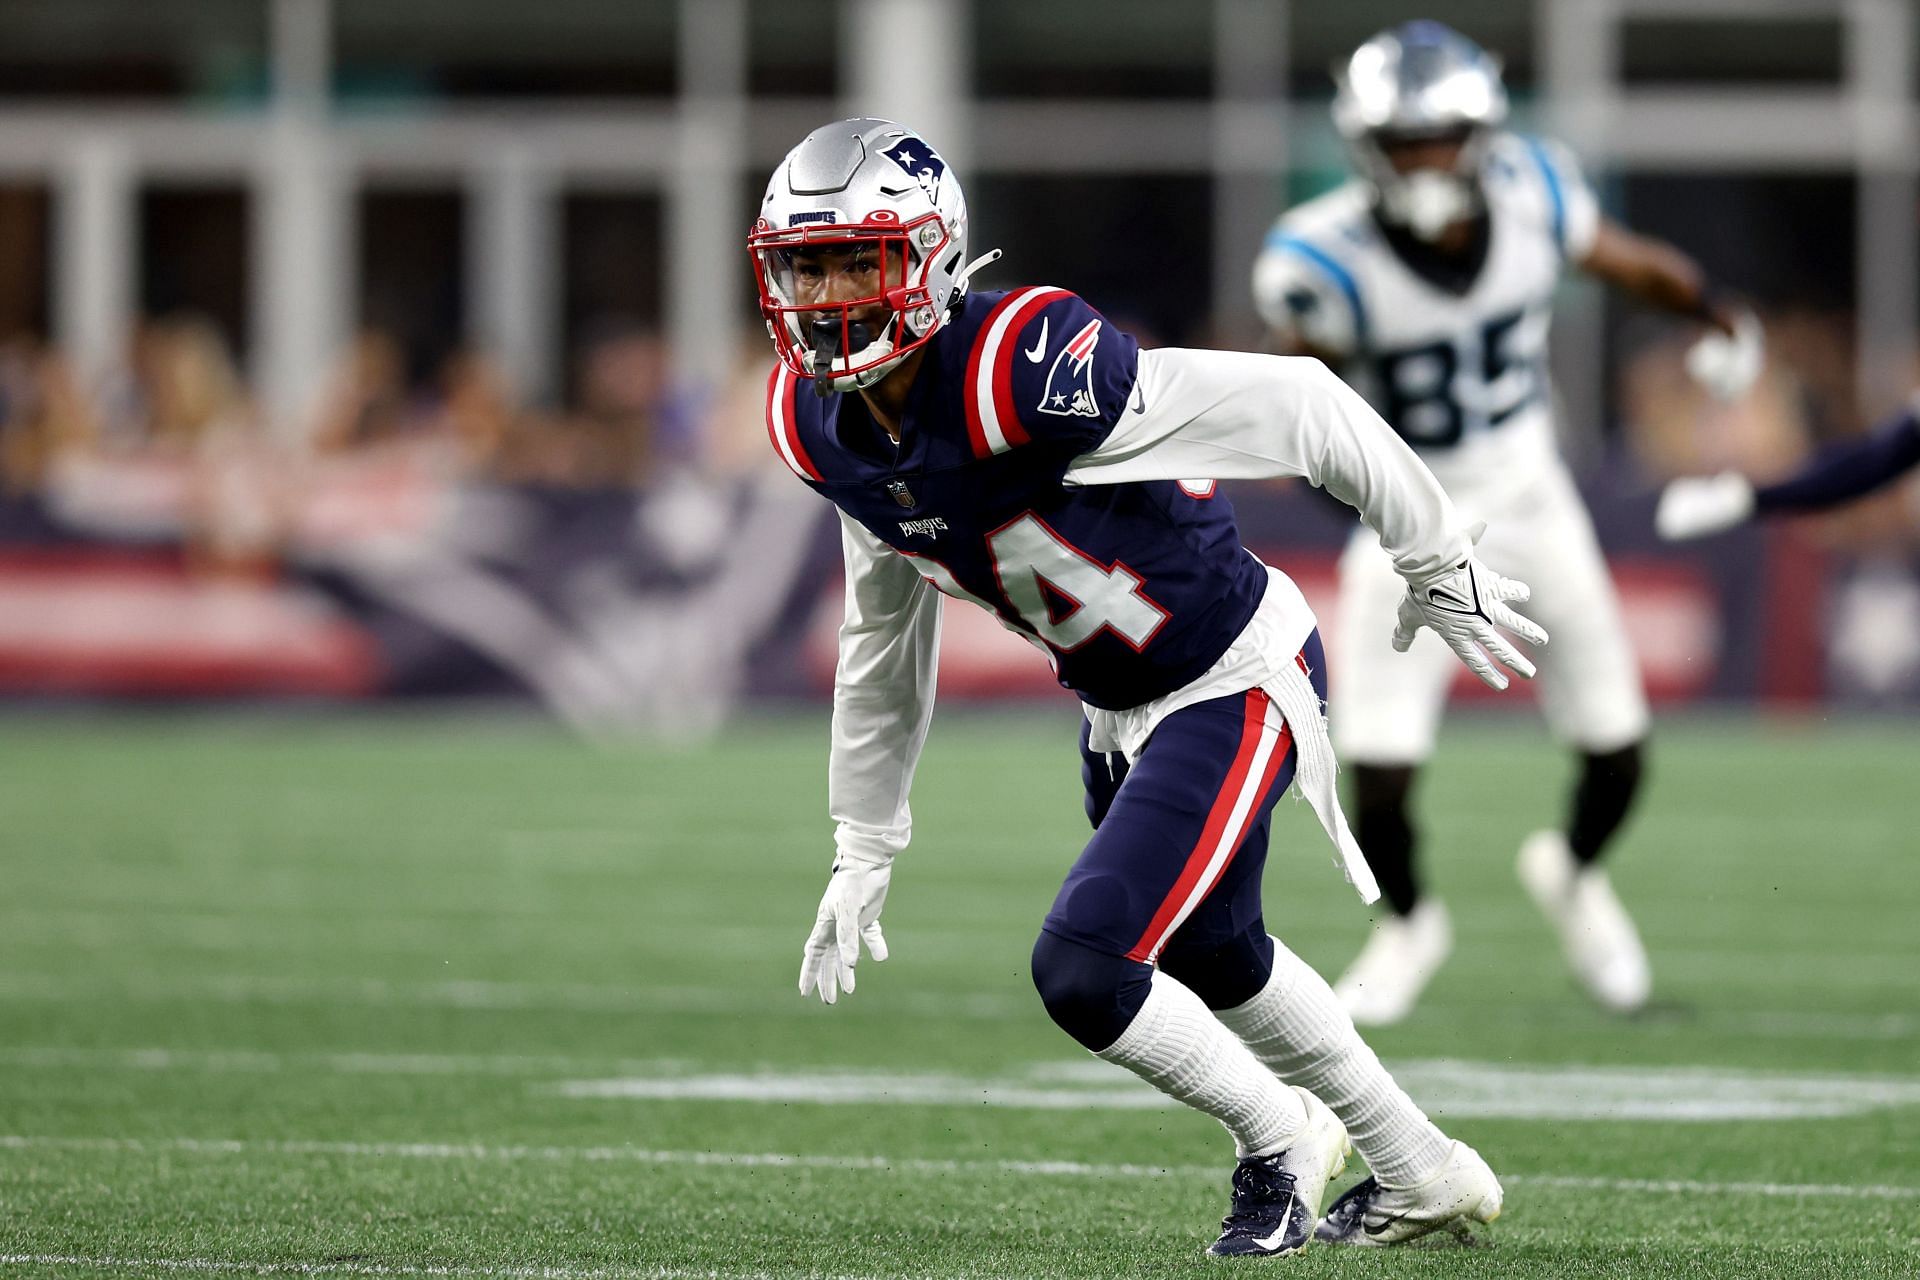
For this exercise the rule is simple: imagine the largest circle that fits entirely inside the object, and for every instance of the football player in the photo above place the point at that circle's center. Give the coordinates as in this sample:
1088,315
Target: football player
1695,506
1016,451
1428,281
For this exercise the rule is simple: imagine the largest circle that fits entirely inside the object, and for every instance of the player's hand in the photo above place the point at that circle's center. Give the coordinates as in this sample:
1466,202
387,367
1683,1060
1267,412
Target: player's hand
1464,604
1696,506
849,914
1727,364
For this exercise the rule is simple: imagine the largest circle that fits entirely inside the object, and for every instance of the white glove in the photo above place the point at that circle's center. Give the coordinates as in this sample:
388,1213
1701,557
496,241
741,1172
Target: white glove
849,912
1727,364
1696,506
1463,604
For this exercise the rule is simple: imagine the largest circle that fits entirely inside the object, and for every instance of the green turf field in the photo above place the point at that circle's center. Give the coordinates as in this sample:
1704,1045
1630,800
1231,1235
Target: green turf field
467,999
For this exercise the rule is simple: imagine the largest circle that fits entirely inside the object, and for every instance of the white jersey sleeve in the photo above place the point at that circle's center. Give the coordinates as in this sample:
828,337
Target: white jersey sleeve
1572,210
1305,292
1229,415
883,689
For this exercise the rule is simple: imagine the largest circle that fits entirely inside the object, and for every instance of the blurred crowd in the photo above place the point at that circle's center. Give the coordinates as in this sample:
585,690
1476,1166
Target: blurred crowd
174,445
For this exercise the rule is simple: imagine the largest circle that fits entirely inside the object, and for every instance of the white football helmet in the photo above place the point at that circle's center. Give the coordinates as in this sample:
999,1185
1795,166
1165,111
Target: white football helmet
1420,80
872,183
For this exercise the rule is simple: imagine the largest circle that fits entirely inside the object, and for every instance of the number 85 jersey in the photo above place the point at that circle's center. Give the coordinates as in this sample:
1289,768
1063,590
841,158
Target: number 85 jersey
1451,352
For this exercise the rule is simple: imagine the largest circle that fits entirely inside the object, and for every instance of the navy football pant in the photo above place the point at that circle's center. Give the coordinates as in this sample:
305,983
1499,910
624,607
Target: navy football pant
1172,874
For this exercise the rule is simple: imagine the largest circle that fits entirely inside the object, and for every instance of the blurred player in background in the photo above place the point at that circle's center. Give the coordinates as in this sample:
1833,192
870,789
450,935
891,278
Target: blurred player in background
1428,282
1061,478
1696,506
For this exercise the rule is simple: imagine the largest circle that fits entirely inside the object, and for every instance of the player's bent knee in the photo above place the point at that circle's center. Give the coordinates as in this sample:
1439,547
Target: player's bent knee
1091,995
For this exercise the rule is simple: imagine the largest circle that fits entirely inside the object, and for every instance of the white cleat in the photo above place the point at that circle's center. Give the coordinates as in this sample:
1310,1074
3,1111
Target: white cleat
1596,933
1385,980
1462,1193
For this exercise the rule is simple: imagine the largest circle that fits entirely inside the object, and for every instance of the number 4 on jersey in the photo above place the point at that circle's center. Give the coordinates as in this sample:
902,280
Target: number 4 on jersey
1065,597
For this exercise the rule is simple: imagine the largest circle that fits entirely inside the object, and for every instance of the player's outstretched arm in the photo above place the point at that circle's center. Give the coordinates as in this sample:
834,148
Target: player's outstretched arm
1726,360
1696,506
1228,415
883,688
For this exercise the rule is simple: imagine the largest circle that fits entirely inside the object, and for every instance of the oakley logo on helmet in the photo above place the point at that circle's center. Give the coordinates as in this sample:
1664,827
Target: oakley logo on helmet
921,163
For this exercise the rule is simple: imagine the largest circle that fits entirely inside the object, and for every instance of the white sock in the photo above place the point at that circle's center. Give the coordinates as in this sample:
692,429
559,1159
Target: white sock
1178,1046
1297,1027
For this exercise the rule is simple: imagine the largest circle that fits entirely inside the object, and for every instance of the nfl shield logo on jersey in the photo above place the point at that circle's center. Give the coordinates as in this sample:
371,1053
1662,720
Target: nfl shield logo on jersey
1069,390
901,495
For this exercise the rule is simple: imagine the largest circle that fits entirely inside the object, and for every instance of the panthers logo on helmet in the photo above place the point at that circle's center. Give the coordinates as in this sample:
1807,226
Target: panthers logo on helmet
921,162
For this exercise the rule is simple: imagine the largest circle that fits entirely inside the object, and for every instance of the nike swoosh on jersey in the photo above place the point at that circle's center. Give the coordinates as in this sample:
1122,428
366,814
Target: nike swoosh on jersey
1038,351
1139,399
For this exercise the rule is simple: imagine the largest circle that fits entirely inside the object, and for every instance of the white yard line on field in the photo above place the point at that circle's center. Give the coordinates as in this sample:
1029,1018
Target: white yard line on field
875,1164
360,1267
1450,1088
971,1006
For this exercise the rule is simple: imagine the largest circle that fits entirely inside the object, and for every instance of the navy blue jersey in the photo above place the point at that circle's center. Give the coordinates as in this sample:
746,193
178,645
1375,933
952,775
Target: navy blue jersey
1134,589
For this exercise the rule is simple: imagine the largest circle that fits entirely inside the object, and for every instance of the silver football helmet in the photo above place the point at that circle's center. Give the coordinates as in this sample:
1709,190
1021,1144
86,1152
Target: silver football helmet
1420,80
866,185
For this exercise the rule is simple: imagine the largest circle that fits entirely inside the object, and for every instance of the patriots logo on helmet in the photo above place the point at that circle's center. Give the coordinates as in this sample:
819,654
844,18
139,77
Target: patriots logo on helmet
1069,391
921,162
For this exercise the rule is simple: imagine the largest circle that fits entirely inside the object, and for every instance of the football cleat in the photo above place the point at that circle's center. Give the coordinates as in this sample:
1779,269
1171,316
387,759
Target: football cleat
1463,1192
1596,933
1385,980
1276,1198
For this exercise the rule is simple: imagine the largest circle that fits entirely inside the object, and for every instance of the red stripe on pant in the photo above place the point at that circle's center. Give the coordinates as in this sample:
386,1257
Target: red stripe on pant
1216,825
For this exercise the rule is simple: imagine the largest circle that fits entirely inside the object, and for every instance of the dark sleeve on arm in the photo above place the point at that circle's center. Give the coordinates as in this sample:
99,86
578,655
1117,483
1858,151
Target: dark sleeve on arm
1848,470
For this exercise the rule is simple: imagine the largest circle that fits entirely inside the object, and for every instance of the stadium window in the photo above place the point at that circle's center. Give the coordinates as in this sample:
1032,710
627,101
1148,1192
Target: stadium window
1658,50
1128,49
412,286
1061,230
212,51
795,50
613,283
24,226
434,49
193,257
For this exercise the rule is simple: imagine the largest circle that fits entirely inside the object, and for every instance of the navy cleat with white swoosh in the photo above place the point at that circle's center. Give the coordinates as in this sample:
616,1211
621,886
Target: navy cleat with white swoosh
1276,1198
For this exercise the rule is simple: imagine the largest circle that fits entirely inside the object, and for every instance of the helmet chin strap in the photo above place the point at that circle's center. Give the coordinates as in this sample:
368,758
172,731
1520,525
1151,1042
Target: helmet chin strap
965,273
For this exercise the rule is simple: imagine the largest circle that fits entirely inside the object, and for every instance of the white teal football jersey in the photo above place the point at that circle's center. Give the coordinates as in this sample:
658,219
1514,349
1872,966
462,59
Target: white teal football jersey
1458,368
